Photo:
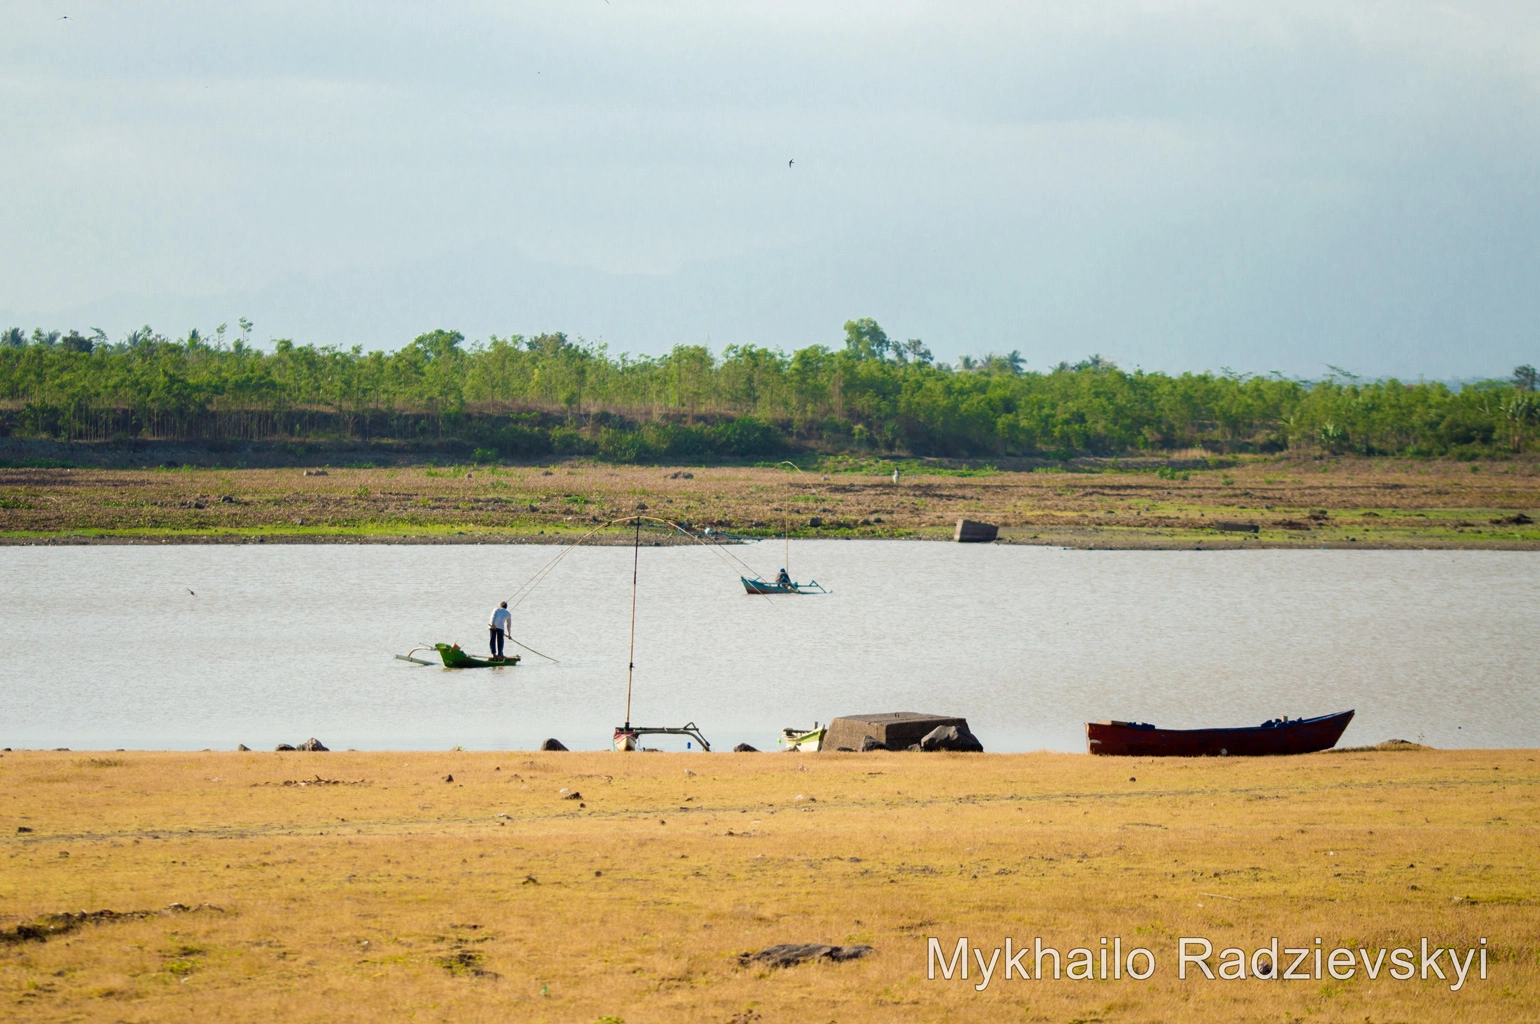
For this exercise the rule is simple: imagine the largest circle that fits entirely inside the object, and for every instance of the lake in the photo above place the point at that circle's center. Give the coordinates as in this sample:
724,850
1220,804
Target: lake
106,647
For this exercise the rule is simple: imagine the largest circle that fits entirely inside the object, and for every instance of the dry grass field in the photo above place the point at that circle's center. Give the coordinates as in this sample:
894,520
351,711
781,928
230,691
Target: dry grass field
1292,502
373,886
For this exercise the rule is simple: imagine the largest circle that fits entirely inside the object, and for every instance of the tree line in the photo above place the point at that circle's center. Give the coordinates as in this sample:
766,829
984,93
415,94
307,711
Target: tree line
548,394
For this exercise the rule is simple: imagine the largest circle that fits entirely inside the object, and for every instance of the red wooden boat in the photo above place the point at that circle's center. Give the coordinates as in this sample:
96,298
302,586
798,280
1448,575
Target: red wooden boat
1280,736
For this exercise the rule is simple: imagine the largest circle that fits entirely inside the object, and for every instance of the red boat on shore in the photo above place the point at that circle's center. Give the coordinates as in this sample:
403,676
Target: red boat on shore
1279,736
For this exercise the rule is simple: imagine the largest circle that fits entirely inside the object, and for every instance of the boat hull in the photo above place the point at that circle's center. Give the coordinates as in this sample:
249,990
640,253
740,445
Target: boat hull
804,739
759,586
454,657
1304,736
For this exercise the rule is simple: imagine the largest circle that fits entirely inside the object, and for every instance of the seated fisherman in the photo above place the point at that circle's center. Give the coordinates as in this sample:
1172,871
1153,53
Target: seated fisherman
784,579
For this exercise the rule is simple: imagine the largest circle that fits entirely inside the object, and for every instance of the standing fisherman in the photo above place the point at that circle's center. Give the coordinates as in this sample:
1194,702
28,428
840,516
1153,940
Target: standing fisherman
499,626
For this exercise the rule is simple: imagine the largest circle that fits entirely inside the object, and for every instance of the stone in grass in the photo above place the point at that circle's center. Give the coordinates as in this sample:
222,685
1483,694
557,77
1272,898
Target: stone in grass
789,953
243,747
744,748
284,746
553,744
871,743
312,744
951,737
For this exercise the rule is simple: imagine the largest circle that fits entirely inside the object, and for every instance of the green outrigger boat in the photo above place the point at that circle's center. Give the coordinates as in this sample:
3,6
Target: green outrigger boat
454,657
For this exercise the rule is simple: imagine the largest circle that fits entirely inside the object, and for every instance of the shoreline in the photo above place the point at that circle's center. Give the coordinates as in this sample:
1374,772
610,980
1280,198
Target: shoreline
1092,539
1392,746
1224,504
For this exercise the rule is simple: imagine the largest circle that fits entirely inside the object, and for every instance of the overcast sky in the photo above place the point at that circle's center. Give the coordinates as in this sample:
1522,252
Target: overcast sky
1175,185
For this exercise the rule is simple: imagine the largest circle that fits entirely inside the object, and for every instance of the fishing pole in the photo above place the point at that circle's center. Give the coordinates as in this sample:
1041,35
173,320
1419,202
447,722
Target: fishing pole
636,561
544,571
531,650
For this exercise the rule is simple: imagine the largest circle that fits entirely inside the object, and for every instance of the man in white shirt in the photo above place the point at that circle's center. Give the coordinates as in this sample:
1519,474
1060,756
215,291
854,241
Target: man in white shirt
499,627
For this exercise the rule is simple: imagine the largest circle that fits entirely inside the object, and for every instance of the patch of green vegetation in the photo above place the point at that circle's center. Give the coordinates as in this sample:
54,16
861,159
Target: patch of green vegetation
38,464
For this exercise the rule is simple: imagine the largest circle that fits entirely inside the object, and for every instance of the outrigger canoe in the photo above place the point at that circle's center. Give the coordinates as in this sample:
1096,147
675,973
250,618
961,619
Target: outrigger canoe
759,586
1279,736
454,657
628,736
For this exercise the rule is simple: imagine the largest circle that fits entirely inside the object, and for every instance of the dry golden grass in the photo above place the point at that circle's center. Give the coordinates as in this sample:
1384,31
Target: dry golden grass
382,900
1367,502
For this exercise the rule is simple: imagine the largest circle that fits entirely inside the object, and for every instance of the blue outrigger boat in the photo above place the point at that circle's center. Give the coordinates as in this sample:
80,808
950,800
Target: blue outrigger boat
760,586
782,584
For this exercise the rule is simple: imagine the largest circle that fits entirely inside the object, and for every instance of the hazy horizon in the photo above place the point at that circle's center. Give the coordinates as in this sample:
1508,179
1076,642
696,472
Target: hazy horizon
1174,185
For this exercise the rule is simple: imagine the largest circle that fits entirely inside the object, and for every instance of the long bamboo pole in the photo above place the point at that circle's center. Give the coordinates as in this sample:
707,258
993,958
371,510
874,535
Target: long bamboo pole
636,559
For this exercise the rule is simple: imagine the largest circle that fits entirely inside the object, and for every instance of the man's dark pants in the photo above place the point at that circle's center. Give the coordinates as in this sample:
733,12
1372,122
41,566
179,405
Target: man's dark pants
497,642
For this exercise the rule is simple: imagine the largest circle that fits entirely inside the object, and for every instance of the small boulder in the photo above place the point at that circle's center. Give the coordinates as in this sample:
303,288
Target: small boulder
284,746
553,744
951,737
574,795
871,743
312,744
744,748
242,747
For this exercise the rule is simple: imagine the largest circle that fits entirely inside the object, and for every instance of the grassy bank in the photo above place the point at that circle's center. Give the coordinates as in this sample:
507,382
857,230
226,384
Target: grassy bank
369,886
1176,503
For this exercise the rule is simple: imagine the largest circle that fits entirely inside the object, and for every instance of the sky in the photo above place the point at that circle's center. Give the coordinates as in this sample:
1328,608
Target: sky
1174,184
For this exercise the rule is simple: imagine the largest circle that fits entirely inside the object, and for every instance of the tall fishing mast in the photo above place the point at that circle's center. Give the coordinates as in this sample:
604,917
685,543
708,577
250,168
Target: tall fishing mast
636,557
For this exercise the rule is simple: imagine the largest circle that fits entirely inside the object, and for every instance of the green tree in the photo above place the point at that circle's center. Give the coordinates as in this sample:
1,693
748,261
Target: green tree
864,339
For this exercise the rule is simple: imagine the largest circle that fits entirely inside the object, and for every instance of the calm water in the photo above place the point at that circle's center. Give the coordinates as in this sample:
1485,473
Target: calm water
105,647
